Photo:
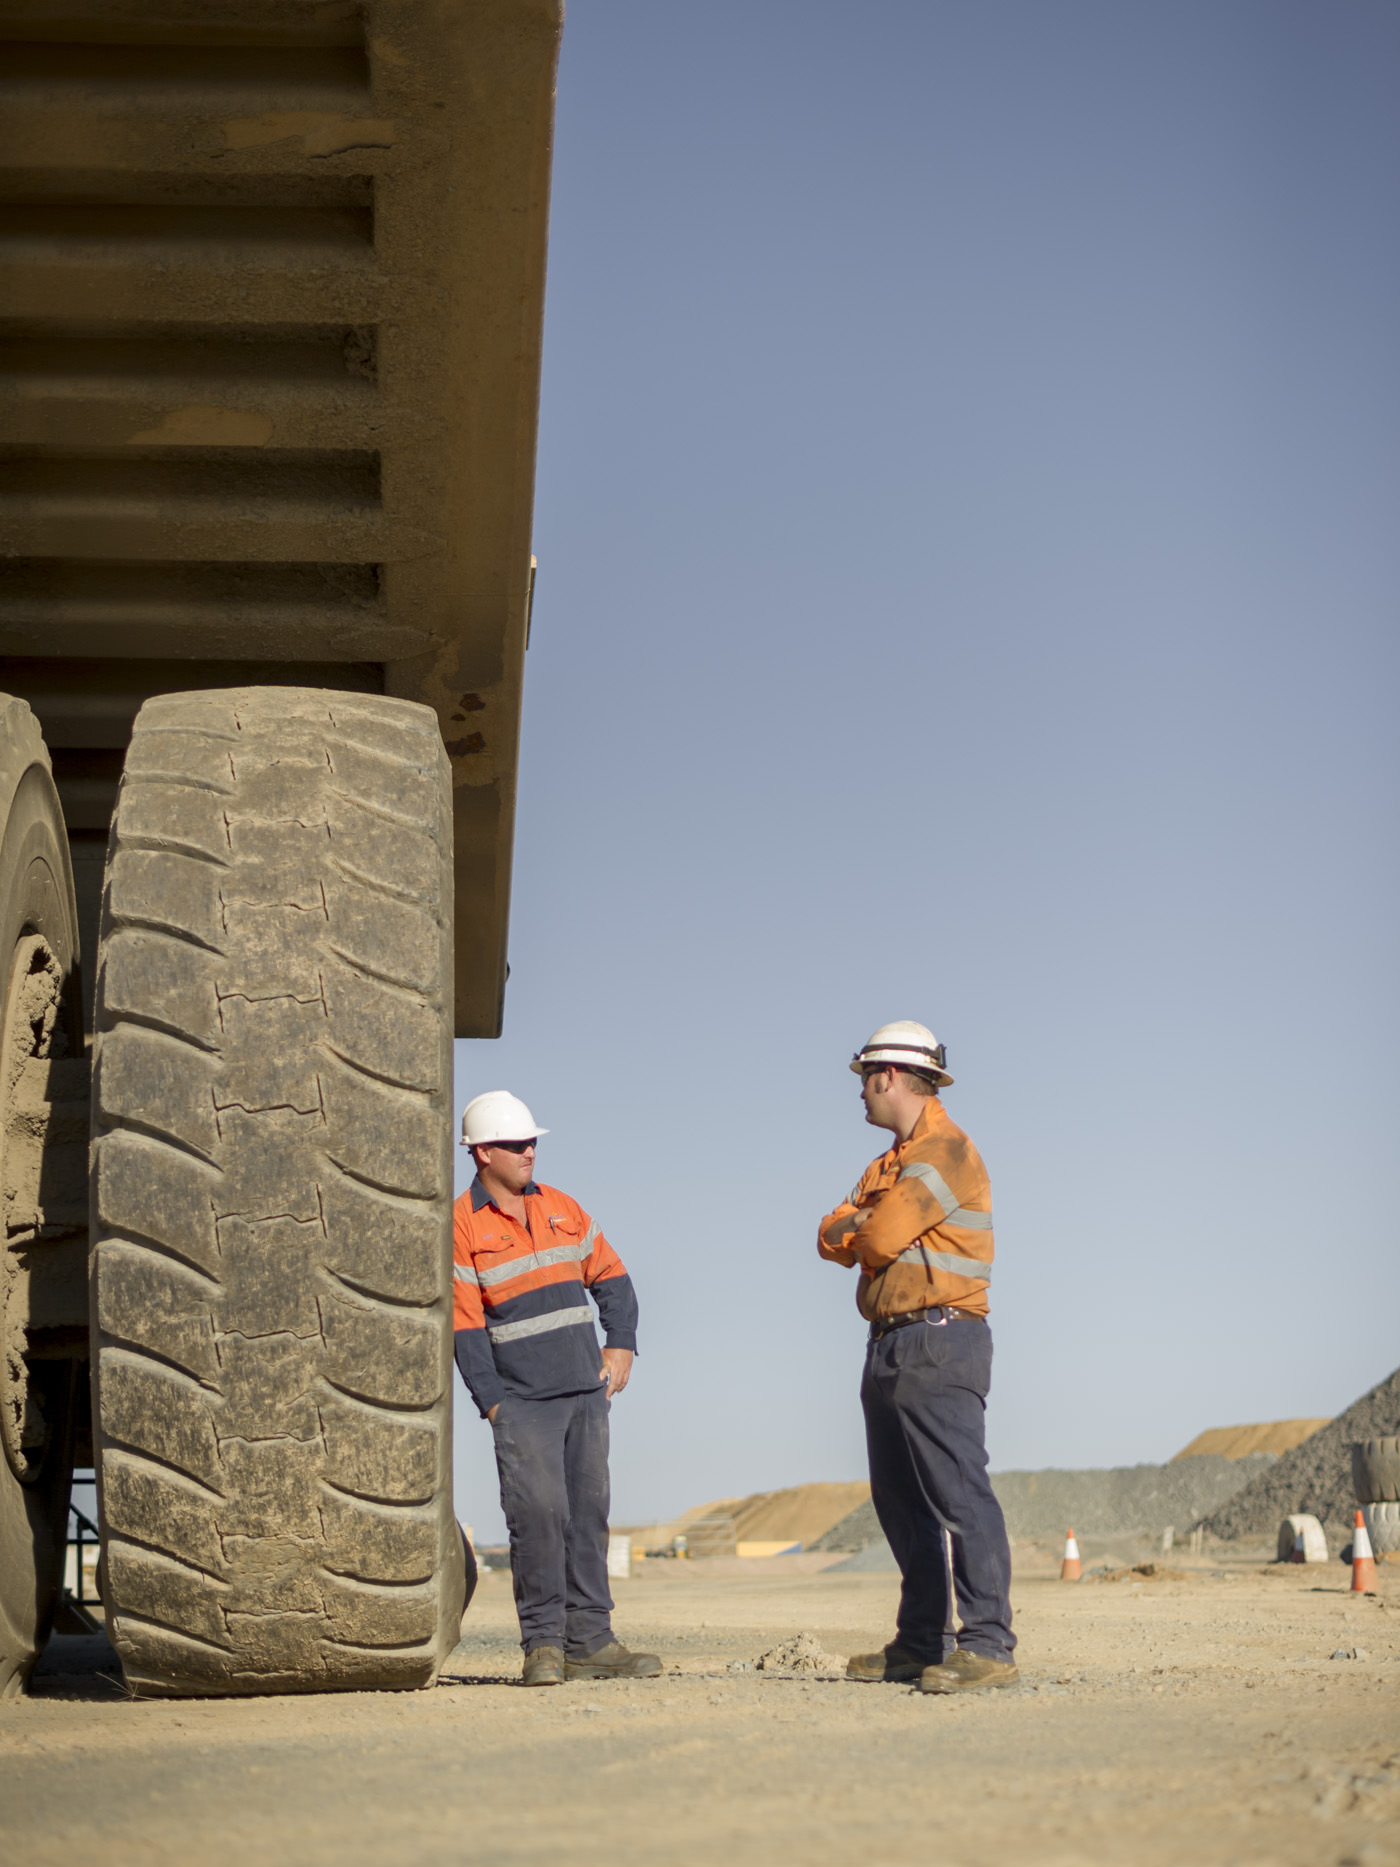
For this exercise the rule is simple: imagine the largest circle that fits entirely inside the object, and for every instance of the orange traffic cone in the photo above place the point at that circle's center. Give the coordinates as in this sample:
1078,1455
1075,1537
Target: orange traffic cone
1363,1561
1070,1570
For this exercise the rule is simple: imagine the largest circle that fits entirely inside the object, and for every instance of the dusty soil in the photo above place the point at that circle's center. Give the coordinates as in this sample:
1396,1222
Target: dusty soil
1193,1717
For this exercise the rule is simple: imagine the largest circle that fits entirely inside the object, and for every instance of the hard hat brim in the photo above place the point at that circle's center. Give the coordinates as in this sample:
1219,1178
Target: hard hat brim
903,1059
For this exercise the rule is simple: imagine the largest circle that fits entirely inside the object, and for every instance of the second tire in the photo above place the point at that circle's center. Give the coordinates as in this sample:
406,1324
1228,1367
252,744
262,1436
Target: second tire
272,1197
1375,1470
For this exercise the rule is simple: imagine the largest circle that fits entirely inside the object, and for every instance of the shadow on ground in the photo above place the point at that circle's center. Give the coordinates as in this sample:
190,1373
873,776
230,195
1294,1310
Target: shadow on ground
78,1666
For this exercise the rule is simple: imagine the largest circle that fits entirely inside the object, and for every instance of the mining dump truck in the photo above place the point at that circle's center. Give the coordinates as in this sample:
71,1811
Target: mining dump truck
273,277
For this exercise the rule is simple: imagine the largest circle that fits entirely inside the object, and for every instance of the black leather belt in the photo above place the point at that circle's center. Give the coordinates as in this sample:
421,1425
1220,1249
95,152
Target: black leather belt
935,1316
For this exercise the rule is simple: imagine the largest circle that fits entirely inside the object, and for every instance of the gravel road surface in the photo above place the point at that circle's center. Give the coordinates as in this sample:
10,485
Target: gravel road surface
1198,1716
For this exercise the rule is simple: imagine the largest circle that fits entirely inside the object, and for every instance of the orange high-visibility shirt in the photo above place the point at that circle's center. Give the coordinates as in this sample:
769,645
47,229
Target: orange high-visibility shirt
521,1317
926,1239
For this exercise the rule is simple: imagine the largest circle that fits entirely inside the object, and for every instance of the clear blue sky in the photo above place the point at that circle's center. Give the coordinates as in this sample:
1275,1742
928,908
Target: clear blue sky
969,556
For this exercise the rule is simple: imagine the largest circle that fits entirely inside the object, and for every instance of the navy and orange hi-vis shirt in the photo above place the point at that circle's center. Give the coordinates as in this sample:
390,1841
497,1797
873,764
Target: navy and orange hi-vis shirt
520,1297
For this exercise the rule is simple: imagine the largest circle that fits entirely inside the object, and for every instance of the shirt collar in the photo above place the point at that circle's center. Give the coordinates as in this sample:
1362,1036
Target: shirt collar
932,1115
480,1196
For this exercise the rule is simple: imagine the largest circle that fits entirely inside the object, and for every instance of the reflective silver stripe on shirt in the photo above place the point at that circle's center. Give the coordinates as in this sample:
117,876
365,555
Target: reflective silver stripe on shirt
934,1181
539,1260
465,1274
539,1325
953,1213
970,1221
563,1254
949,1261
535,1261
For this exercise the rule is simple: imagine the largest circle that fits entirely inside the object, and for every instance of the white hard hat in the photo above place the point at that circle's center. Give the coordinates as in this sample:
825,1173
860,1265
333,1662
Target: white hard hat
905,1045
498,1116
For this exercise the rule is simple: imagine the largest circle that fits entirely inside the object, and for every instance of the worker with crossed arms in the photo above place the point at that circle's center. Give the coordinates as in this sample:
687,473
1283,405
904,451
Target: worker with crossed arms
919,1226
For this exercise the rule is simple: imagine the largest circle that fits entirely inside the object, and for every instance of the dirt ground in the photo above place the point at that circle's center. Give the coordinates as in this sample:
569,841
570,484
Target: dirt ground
1203,1717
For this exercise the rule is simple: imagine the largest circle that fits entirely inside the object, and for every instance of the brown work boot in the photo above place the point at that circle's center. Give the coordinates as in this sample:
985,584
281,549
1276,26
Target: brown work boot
543,1666
967,1672
890,1664
614,1661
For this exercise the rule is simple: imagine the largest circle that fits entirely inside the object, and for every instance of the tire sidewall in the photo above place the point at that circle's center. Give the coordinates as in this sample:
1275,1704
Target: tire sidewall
36,890
36,897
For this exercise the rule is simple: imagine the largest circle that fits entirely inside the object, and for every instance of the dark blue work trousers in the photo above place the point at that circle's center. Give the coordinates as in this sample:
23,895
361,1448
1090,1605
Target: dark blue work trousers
552,1457
924,1392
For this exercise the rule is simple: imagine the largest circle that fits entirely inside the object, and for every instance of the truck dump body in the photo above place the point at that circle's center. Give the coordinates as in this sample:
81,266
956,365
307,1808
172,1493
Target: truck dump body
272,304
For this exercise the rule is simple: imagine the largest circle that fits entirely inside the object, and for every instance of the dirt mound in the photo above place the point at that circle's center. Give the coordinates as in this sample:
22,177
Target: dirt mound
804,1653
874,1558
1129,1500
799,1514
1237,1442
717,1507
1315,1476
853,1532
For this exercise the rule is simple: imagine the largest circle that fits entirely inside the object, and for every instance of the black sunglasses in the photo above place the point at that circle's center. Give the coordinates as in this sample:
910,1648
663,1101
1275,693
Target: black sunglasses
513,1147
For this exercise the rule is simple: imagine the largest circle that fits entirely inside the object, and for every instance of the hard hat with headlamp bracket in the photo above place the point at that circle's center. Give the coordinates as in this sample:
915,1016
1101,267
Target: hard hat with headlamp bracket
904,1045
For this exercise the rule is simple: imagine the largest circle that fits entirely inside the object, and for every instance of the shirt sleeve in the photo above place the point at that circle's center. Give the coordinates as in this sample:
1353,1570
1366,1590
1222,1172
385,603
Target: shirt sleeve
835,1233
611,1289
899,1218
477,1367
470,1343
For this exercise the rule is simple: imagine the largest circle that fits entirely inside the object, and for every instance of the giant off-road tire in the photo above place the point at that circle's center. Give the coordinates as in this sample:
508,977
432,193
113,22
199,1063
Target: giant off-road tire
43,1121
272,1198
1375,1470
1383,1524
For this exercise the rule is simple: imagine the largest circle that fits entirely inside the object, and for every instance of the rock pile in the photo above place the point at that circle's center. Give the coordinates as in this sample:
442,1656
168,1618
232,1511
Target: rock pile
1127,1500
1314,1477
1234,1497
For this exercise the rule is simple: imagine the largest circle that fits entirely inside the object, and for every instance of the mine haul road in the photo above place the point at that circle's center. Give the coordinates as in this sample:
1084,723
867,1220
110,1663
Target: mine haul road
1193,1718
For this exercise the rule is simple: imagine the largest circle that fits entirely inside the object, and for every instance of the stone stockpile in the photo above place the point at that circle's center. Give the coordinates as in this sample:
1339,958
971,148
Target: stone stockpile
1230,1497
1129,1500
1313,1477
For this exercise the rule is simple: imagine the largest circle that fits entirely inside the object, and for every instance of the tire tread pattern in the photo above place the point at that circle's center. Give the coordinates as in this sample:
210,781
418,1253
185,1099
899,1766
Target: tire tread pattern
272,1197
1375,1470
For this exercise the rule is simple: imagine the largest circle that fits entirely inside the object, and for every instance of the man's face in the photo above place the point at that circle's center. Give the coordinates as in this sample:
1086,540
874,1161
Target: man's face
875,1086
510,1162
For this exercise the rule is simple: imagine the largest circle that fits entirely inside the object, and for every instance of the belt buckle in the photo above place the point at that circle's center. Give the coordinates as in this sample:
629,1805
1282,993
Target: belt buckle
942,1322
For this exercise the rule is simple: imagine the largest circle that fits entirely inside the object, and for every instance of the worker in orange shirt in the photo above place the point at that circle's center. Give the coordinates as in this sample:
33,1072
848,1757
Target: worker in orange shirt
919,1226
527,1259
